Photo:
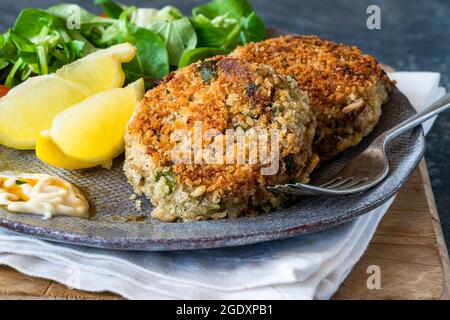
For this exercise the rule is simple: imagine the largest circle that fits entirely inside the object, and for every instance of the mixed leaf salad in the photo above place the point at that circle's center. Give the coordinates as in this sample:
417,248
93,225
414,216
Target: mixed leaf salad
42,41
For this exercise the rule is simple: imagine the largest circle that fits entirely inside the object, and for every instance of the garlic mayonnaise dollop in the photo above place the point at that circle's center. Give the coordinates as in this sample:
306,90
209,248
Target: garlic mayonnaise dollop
41,194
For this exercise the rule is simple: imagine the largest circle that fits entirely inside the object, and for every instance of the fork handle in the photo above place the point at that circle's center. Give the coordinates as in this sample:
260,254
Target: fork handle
436,108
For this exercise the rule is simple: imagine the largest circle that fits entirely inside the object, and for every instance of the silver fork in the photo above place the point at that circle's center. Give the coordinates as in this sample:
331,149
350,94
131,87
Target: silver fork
371,166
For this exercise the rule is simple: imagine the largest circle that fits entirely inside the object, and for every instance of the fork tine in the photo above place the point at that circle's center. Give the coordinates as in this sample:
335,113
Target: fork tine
351,183
332,181
341,182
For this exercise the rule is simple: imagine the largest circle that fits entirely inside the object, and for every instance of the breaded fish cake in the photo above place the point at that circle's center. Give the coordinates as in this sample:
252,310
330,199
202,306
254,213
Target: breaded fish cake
345,87
222,94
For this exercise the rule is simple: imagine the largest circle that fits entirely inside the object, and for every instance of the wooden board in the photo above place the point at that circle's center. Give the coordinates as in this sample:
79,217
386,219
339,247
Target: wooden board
408,247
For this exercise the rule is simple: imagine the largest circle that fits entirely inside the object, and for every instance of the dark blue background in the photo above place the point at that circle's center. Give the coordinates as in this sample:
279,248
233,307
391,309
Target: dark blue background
415,36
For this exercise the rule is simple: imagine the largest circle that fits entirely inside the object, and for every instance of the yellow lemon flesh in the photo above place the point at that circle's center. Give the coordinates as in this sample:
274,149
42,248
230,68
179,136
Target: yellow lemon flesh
49,152
90,133
30,107
101,70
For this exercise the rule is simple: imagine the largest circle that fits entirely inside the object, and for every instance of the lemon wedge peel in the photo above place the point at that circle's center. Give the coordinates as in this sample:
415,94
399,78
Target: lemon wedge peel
48,152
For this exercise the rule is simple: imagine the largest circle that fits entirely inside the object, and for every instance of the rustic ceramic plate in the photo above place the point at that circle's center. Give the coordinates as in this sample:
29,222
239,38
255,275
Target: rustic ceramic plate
112,224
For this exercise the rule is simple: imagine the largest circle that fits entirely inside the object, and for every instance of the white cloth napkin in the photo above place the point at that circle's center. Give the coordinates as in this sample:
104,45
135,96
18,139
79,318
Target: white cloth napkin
305,267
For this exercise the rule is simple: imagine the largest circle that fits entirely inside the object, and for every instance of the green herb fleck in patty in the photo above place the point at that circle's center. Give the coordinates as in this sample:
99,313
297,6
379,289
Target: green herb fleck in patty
169,177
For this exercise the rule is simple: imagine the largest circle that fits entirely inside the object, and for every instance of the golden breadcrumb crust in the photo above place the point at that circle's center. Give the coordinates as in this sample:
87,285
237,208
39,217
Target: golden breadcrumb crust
341,83
240,94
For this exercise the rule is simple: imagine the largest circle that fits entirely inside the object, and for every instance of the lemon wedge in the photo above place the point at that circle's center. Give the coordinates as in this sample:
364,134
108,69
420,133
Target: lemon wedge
49,152
30,107
91,132
101,70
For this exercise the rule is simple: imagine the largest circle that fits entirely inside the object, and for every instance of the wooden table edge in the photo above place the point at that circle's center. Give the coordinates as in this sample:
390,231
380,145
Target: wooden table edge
442,247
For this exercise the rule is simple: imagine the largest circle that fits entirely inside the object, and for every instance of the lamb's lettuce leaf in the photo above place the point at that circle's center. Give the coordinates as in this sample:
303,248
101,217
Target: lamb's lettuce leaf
233,8
227,23
111,8
199,54
178,35
152,59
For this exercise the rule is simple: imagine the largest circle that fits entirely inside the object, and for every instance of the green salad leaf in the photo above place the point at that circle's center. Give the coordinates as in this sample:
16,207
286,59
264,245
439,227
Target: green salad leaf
30,23
142,17
211,34
67,11
3,63
253,29
91,26
227,23
199,54
39,43
178,35
216,8
112,9
152,59
8,51
172,27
